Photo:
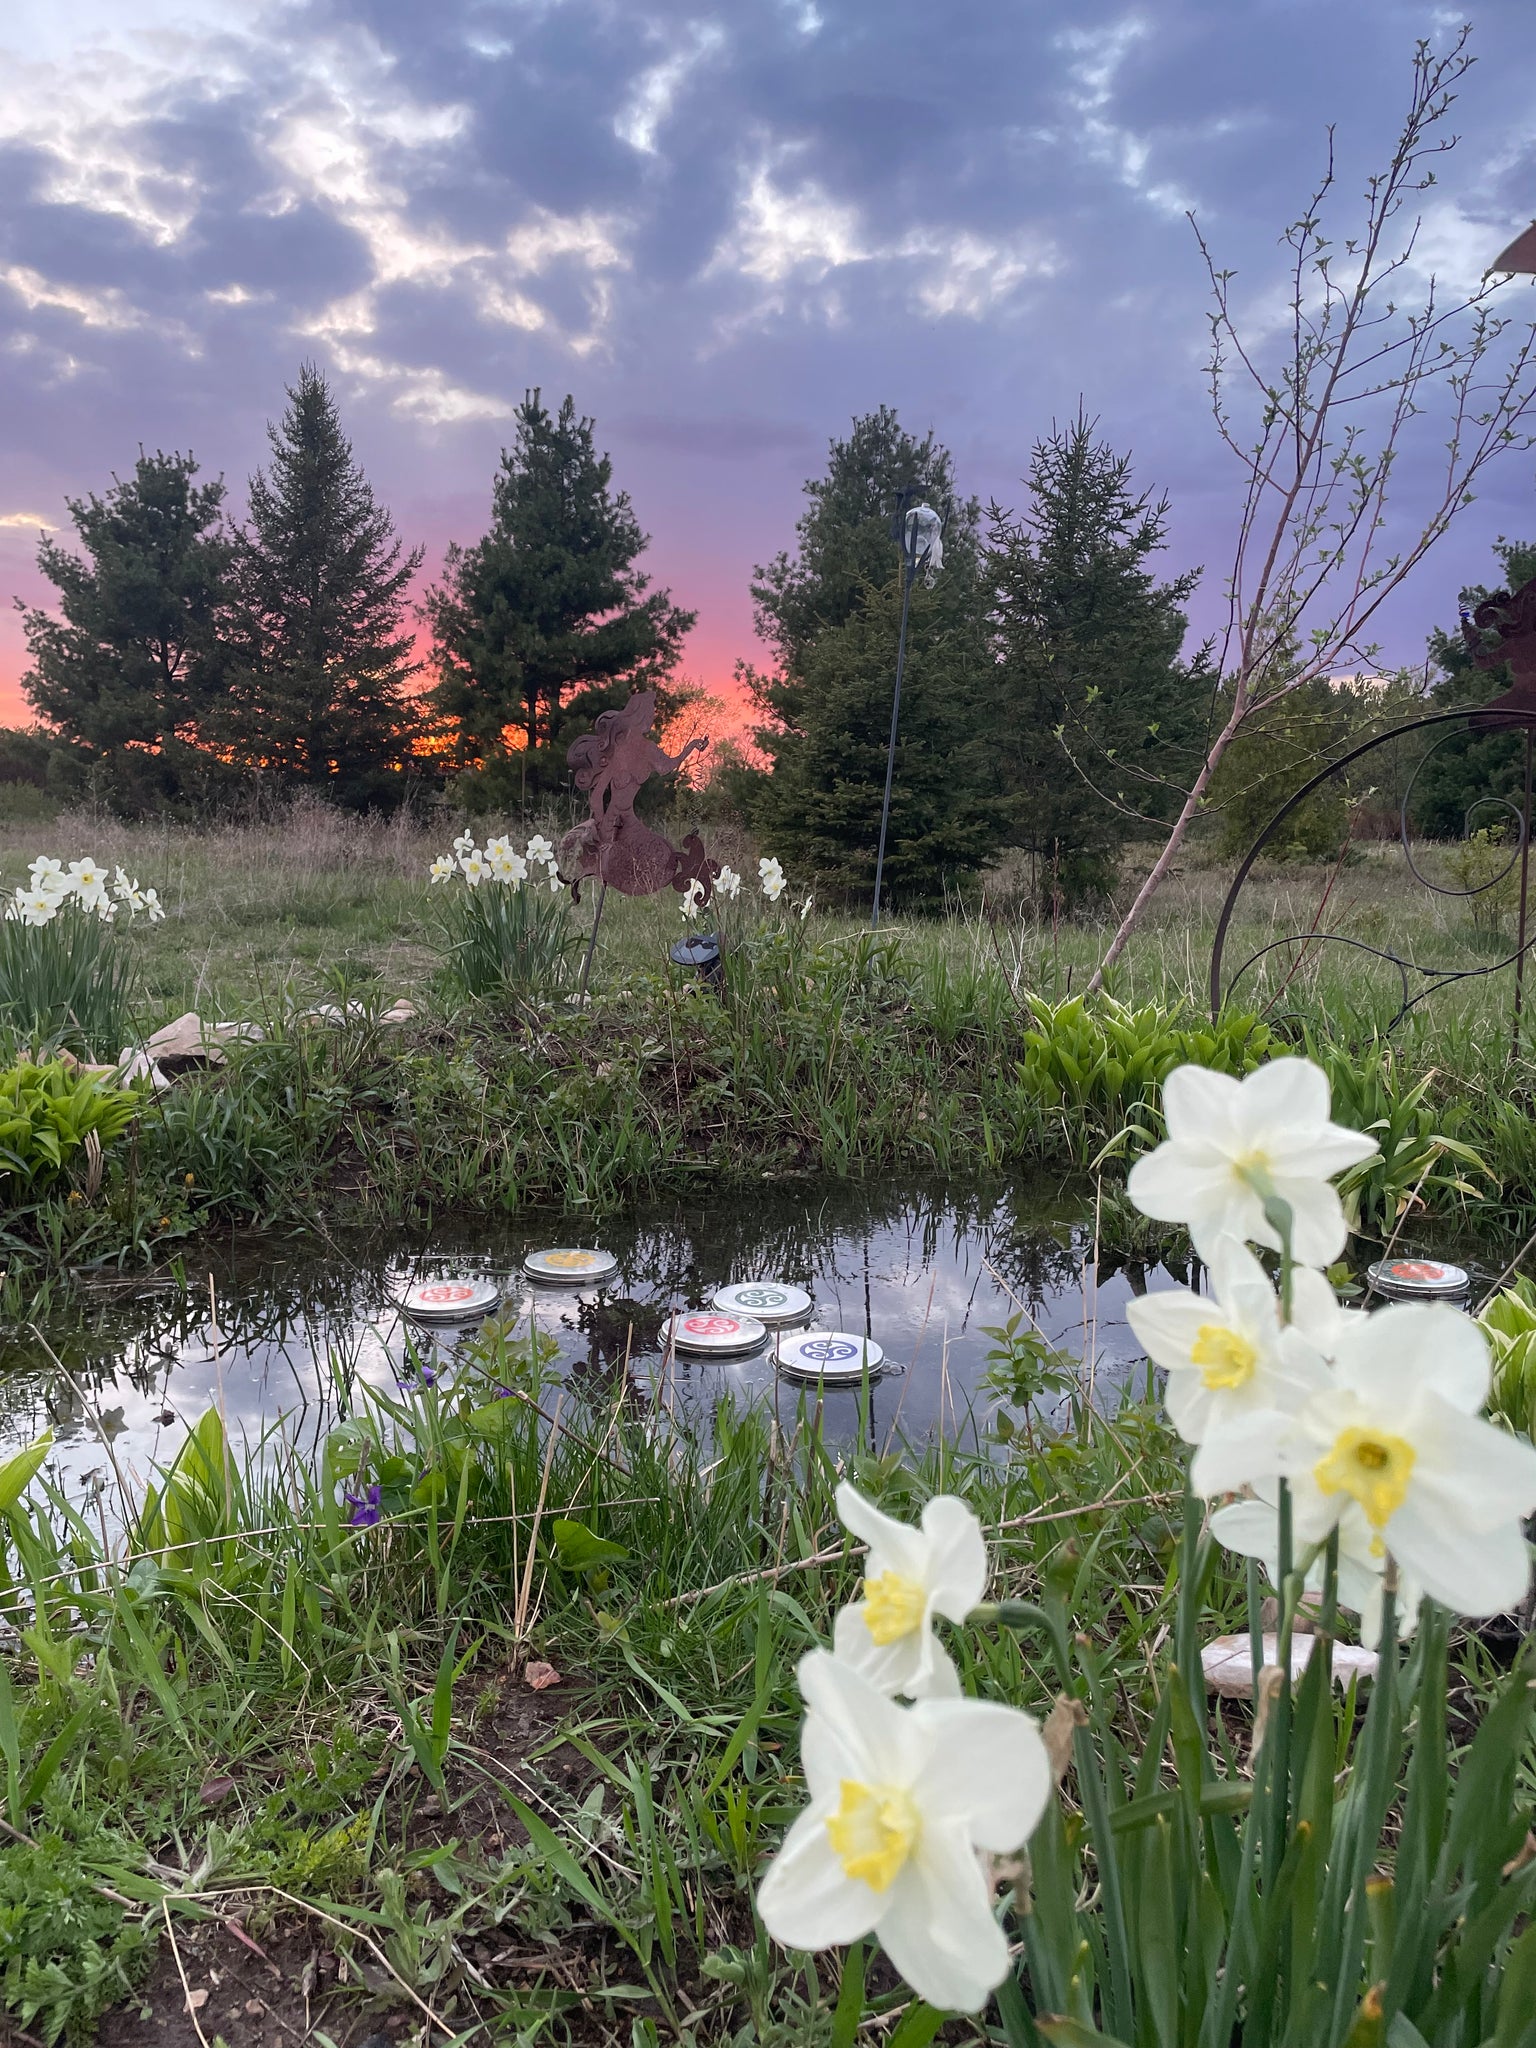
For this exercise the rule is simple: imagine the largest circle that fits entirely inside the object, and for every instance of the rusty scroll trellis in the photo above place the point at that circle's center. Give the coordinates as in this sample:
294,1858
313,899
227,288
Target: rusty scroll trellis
1506,715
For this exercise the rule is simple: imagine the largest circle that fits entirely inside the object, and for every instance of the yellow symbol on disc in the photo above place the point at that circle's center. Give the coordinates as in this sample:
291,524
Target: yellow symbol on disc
570,1261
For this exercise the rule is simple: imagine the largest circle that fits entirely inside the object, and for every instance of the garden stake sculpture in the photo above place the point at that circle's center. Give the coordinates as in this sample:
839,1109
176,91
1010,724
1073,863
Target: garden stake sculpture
611,765
1500,634
919,532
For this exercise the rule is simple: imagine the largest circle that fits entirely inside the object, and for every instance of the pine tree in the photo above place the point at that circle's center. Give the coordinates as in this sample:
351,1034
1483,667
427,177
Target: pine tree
134,660
831,614
546,621
1102,715
321,649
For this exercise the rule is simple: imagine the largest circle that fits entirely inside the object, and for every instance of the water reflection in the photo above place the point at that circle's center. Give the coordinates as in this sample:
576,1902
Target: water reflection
276,1335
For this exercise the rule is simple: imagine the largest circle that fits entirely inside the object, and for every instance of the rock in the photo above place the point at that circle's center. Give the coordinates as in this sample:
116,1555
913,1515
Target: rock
1228,1663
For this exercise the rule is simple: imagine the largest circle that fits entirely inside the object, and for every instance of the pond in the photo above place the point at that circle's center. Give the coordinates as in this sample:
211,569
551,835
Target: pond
276,1334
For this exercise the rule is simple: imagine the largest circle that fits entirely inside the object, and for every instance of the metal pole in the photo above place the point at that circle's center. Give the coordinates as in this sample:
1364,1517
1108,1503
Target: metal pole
1525,866
597,918
910,568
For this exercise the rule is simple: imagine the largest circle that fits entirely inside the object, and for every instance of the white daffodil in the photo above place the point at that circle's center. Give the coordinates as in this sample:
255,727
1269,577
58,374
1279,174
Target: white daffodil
443,869
901,1800
1231,1144
499,845
555,883
89,883
728,884
805,908
1252,1529
49,874
475,868
910,1576
106,909
693,897
464,843
154,906
1231,1364
122,888
35,906
770,878
1397,1433
508,867
540,852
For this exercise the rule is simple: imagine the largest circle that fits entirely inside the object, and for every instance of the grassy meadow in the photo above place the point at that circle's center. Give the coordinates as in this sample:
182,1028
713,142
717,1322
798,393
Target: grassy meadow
501,1767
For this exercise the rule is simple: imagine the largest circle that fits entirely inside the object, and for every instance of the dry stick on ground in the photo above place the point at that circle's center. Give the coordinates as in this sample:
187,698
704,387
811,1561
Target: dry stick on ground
181,1973
1307,572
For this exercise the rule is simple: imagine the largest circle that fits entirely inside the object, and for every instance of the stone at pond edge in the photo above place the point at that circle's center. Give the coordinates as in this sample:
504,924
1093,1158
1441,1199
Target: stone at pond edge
1228,1663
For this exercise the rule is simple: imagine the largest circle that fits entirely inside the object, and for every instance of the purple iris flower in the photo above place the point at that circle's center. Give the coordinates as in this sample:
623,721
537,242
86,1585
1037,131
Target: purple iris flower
505,1393
365,1507
427,1374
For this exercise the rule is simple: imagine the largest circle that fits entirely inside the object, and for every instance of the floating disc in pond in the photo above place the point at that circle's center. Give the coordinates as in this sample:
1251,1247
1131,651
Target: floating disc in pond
771,1301
1417,1280
569,1267
709,1333
829,1355
461,1298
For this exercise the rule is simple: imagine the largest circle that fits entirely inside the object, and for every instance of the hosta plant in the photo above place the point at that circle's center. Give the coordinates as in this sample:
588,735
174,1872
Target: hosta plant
48,1114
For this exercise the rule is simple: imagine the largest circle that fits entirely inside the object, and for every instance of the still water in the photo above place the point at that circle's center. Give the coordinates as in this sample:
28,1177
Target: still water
275,1333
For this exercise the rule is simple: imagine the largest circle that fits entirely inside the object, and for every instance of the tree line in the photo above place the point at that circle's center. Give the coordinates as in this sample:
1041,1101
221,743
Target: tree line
1051,703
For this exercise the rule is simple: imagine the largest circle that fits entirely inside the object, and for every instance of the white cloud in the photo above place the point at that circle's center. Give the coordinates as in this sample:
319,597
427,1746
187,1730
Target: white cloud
655,91
797,241
425,394
28,521
92,309
1096,57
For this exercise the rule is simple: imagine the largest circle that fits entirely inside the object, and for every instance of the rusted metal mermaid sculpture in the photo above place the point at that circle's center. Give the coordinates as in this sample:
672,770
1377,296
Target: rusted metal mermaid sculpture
611,764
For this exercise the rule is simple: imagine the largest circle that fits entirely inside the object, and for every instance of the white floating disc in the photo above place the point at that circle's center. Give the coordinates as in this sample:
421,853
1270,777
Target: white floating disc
461,1298
1417,1279
708,1333
772,1301
829,1355
568,1267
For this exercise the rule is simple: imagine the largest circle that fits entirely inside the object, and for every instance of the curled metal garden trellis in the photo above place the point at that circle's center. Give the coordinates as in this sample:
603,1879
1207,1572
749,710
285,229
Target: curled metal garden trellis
1417,980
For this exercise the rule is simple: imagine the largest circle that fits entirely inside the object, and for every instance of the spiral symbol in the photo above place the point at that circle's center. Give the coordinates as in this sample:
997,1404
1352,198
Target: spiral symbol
760,1297
828,1350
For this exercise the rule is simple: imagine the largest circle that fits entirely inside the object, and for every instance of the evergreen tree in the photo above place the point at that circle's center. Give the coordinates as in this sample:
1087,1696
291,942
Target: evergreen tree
321,649
1466,766
1102,717
134,660
831,614
546,621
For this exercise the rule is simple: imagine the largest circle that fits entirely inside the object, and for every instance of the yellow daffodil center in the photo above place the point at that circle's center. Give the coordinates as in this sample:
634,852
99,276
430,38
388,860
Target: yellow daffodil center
893,1607
1225,1357
873,1831
1373,1467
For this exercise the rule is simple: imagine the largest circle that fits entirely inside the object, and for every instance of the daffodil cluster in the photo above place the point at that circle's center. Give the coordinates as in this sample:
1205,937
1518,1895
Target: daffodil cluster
52,887
905,1802
499,861
1373,1421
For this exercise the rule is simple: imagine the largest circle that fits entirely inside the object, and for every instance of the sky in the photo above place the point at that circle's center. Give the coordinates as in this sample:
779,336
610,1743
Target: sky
725,232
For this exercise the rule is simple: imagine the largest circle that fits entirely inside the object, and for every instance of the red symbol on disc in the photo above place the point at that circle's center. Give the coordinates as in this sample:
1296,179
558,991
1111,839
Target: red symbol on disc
1416,1269
711,1326
446,1290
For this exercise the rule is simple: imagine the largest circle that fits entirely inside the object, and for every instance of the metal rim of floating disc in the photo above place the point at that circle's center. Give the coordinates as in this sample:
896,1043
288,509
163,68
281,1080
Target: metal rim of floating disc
453,1298
773,1302
570,1266
710,1333
1417,1279
829,1355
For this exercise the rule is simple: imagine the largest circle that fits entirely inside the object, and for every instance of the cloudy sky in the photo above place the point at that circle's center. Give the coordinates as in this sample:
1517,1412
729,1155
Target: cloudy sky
726,232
